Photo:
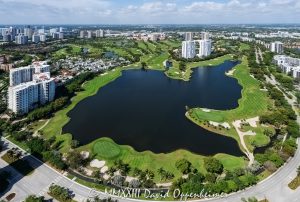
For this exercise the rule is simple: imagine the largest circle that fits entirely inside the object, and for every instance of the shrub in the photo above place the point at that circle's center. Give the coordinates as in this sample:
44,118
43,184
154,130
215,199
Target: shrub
183,166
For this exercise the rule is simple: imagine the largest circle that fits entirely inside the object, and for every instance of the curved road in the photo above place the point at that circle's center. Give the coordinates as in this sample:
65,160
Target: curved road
274,188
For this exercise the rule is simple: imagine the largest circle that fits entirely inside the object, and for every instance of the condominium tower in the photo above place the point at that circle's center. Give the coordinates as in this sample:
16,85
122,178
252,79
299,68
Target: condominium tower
204,49
30,87
277,47
188,49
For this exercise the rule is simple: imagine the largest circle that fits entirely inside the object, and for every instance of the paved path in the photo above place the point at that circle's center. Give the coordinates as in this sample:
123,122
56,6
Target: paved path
274,188
237,125
257,56
36,133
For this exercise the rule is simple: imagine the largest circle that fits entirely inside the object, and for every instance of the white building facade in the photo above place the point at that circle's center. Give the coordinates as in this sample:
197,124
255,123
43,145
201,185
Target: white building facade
288,65
188,49
30,87
204,49
200,48
276,47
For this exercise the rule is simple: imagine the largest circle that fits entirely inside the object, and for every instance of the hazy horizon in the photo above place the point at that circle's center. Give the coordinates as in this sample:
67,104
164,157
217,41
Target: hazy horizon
118,12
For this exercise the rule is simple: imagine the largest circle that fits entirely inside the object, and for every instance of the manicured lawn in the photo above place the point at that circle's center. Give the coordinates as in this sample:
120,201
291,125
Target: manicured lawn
106,149
120,52
254,102
231,162
175,73
20,144
212,115
258,140
36,125
75,50
149,160
156,62
244,46
173,43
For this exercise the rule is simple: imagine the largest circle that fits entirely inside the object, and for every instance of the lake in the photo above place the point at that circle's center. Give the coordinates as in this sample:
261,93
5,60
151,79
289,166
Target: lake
146,110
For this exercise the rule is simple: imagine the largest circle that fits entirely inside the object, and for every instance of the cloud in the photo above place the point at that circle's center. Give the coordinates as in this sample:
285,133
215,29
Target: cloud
203,6
149,11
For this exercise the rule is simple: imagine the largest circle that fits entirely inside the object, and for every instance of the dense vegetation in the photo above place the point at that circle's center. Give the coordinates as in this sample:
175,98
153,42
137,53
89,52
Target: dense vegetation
60,193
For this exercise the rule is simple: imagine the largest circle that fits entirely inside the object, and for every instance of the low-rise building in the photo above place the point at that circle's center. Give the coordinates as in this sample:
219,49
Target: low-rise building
6,67
288,65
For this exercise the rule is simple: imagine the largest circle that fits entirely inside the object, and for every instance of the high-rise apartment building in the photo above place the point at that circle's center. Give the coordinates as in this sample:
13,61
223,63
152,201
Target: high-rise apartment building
36,38
28,32
21,39
204,35
188,36
30,87
43,38
200,48
82,34
99,33
188,49
20,75
204,47
277,47
89,34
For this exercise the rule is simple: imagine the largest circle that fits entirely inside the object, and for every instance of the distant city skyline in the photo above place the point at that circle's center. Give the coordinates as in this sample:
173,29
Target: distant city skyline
149,11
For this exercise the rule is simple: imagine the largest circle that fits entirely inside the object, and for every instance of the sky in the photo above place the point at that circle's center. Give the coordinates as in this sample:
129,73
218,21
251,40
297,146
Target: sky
149,11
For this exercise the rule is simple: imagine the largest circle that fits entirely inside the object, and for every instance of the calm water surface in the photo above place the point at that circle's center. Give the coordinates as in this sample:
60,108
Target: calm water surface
145,109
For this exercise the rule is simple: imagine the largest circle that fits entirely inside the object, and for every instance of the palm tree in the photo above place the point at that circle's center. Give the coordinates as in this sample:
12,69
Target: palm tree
144,65
160,172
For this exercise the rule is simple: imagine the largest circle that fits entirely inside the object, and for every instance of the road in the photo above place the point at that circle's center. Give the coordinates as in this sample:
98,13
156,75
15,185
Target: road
274,188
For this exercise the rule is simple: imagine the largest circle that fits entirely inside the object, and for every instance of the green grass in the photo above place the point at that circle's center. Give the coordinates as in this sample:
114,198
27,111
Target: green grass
36,125
175,73
211,116
20,144
75,50
254,102
156,62
230,162
149,160
244,46
173,43
259,140
106,149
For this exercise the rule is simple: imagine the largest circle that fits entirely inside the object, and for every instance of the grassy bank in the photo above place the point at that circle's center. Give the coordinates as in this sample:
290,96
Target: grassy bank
175,72
106,149
254,102
54,127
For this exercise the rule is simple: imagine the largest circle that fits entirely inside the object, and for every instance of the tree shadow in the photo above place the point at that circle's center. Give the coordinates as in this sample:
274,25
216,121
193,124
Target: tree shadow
15,171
